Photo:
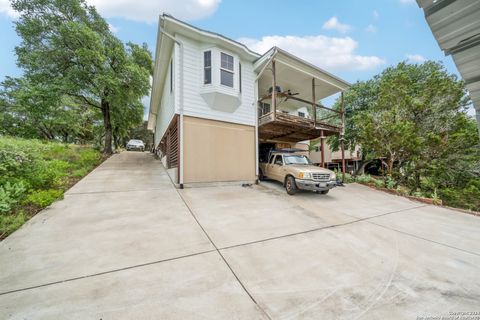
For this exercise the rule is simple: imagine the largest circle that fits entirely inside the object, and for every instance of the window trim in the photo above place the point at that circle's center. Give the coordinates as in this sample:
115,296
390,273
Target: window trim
232,72
240,77
205,68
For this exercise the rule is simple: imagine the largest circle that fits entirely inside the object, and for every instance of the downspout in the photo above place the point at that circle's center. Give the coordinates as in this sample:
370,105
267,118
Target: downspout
180,109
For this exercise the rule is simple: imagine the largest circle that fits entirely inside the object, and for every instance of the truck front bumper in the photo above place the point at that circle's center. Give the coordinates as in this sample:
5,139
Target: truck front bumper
315,185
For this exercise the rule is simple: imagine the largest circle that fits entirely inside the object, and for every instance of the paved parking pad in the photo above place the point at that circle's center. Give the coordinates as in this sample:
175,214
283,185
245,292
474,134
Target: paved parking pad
357,271
353,200
237,215
449,227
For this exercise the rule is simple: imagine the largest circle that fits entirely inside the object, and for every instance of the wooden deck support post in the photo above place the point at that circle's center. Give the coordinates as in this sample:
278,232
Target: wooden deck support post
314,106
274,90
322,148
342,138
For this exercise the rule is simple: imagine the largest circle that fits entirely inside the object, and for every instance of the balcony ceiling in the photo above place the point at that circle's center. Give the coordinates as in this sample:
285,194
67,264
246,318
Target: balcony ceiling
295,74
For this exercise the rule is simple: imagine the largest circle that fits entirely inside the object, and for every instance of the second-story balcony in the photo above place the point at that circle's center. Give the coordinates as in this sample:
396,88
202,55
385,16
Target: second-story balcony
294,120
293,112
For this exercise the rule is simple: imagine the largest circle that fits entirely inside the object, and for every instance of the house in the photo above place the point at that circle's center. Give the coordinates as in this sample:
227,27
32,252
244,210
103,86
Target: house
216,106
333,159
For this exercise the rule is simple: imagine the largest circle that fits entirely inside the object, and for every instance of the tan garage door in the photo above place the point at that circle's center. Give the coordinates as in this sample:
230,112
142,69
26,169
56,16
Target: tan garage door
215,151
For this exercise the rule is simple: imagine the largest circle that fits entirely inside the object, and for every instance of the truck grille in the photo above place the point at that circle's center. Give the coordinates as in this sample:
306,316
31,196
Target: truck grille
321,176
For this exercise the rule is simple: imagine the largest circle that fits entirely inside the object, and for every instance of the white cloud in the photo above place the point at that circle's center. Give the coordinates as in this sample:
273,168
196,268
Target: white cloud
113,28
5,8
148,10
143,10
334,24
331,53
375,14
371,28
409,2
415,58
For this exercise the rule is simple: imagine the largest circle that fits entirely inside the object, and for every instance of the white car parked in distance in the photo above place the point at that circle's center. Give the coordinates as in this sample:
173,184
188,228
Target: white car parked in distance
134,144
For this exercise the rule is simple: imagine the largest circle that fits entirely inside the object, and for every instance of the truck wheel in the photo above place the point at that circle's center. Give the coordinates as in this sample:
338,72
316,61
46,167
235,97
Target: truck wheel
324,191
261,177
290,186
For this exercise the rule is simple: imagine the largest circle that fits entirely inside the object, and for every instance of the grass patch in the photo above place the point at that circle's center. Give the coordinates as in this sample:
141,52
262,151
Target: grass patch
35,173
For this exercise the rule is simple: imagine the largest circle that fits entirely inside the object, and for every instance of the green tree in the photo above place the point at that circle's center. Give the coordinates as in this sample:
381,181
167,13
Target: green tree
68,50
29,111
413,117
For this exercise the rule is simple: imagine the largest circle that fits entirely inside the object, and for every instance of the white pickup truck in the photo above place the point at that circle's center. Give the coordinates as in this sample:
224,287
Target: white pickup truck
296,172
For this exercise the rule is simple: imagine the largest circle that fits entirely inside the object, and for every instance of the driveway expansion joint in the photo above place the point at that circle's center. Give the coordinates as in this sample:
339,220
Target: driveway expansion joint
104,272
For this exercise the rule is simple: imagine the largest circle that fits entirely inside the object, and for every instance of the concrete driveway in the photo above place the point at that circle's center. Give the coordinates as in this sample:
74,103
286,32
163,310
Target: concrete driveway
124,244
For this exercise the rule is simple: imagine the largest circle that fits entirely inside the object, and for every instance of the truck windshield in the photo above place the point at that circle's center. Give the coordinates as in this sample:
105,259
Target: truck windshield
296,159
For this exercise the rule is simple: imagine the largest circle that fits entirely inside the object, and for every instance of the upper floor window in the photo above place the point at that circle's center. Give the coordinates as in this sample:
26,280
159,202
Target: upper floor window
226,70
207,67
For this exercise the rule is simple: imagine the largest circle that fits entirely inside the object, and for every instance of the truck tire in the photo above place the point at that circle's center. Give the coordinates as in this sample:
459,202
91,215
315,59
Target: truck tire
261,177
290,185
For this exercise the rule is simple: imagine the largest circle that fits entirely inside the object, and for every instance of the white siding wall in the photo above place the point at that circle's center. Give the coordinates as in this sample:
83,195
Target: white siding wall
195,105
166,110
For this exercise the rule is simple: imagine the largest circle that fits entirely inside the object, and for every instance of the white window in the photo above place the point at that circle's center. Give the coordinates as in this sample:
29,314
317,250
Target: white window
226,70
207,67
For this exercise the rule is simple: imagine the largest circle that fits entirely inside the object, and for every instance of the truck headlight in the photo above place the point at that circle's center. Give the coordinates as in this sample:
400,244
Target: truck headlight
333,176
305,175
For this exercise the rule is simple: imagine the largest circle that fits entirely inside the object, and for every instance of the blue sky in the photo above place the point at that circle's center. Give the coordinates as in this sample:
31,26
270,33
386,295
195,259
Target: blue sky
353,39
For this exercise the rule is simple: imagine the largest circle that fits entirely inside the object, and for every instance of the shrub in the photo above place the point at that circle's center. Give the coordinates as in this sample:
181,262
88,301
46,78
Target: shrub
43,198
390,183
379,183
364,178
467,198
34,173
11,222
10,195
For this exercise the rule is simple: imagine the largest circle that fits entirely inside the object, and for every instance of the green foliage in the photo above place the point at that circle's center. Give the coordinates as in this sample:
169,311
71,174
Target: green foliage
76,72
413,118
364,178
34,173
390,183
10,195
43,198
467,197
379,183
10,223
348,177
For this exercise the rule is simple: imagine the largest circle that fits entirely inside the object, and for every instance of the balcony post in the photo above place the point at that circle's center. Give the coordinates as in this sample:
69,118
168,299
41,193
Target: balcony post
342,137
322,148
314,107
274,90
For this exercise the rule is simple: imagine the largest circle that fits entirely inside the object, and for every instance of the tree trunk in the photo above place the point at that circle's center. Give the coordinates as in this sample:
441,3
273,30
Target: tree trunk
361,168
107,124
390,166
